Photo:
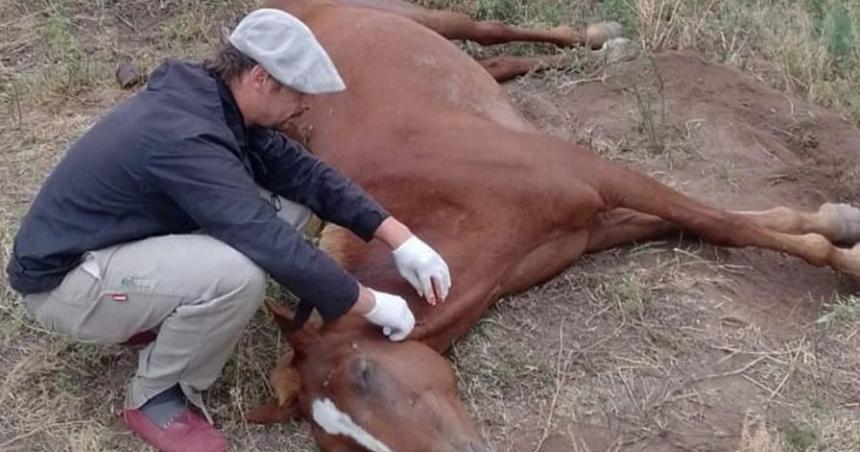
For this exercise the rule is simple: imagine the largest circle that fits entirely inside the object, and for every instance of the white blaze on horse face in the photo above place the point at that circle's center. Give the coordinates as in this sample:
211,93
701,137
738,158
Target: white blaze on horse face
336,422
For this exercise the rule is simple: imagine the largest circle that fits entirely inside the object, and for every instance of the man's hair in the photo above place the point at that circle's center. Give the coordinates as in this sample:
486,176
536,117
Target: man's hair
229,63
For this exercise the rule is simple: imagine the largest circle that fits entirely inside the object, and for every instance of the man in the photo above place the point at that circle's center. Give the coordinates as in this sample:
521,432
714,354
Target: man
154,221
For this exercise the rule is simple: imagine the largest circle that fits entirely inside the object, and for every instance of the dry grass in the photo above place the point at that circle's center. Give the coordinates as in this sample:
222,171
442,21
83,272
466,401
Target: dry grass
809,47
755,437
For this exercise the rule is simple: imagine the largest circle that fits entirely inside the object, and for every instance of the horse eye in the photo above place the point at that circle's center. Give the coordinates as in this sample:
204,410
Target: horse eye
361,373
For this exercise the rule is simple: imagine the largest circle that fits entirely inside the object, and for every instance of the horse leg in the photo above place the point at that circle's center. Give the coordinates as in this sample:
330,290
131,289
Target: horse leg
504,68
459,26
839,223
622,187
619,226
453,25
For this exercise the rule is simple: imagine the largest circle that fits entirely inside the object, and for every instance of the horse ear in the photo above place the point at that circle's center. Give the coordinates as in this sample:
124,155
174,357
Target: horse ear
287,383
284,318
283,315
272,413
286,379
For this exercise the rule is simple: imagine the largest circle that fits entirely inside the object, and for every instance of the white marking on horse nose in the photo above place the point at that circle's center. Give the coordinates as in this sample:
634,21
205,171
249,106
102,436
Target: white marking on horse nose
336,422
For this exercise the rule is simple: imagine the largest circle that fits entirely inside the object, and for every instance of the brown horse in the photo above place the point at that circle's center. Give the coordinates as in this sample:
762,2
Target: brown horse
431,134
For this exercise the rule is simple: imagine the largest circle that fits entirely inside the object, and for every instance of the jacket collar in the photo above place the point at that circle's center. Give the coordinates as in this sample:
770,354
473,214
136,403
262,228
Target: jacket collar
234,118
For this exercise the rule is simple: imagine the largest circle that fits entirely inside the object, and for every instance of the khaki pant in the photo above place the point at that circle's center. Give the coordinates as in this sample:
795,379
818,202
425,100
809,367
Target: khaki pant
197,292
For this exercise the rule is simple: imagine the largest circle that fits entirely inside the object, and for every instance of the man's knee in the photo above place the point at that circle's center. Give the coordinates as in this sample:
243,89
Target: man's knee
240,275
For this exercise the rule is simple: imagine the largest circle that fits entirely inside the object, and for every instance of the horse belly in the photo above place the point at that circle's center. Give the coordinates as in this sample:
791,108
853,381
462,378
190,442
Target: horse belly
397,70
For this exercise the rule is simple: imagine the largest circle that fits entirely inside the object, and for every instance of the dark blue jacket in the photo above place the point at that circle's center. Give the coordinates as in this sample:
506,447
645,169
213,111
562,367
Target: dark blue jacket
176,158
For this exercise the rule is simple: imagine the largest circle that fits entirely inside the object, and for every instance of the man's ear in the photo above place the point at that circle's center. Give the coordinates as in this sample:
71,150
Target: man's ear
258,76
287,383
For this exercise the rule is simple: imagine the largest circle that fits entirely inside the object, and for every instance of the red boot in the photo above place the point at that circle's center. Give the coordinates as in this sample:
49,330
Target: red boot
187,433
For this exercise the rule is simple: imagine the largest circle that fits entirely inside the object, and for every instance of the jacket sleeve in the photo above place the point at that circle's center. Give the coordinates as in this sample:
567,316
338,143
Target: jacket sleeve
296,174
212,186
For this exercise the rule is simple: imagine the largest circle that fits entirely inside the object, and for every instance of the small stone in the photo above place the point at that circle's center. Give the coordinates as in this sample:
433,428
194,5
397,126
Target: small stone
618,50
128,75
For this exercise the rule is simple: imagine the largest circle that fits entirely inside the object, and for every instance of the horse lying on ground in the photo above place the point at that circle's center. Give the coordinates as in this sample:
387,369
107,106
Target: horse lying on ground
431,134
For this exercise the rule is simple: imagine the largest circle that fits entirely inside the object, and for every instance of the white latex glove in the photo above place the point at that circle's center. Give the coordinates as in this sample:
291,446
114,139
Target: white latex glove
422,267
392,314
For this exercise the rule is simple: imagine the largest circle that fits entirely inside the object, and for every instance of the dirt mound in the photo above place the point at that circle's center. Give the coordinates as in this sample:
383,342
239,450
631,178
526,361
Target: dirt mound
730,141
677,345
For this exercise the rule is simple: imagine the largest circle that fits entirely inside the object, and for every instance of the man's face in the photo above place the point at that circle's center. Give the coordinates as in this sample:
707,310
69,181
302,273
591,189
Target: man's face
268,103
279,104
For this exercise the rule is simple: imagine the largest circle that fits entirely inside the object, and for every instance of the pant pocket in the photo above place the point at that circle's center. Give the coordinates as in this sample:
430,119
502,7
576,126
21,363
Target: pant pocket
62,309
33,304
50,312
80,286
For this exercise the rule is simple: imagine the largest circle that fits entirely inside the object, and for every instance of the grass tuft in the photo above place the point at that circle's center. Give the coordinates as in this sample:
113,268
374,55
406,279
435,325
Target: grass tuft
755,437
800,437
72,71
811,48
628,294
503,10
844,309
187,29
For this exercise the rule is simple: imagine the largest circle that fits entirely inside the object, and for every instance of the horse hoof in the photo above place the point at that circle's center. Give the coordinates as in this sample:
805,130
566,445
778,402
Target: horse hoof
849,261
597,34
845,219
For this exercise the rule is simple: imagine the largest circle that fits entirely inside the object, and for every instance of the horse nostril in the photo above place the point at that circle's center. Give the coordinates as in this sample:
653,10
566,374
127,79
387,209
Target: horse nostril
476,447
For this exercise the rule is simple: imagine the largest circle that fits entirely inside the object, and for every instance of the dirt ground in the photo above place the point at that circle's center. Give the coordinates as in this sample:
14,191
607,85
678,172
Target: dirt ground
663,346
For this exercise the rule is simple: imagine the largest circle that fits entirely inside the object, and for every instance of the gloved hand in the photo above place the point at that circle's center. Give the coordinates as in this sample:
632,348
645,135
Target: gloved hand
424,268
391,313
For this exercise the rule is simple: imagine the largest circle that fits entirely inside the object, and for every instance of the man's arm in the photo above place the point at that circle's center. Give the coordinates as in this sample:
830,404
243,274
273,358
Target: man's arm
208,183
392,232
299,176
296,174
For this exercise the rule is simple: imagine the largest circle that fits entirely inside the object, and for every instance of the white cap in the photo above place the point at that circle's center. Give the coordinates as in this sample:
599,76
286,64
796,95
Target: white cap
288,50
